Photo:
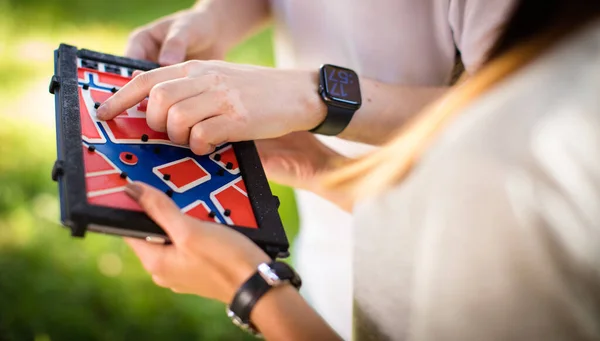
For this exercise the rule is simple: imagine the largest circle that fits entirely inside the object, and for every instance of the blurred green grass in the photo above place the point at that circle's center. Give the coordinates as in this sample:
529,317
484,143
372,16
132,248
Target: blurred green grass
54,287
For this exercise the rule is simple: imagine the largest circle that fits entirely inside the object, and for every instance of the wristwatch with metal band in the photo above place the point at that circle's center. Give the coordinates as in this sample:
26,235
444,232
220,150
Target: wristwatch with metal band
340,91
267,276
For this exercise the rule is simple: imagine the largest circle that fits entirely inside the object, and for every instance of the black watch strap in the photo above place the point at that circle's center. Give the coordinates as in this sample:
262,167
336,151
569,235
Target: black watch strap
246,297
266,277
336,121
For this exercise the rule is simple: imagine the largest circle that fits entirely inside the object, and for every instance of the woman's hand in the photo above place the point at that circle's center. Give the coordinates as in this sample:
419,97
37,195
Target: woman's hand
213,261
205,259
207,103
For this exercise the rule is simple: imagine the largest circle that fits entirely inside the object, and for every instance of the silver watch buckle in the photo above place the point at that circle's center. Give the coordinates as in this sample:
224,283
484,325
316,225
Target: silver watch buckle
247,327
268,275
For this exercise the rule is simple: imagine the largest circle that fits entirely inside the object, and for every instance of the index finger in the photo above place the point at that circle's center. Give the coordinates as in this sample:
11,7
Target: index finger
136,90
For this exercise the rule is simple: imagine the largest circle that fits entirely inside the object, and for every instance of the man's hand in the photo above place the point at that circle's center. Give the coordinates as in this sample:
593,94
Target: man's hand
189,34
205,32
301,161
206,103
296,160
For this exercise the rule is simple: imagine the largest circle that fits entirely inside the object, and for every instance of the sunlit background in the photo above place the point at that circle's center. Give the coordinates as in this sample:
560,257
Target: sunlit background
53,287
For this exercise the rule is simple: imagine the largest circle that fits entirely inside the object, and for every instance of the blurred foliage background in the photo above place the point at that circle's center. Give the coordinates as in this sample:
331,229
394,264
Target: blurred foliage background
54,287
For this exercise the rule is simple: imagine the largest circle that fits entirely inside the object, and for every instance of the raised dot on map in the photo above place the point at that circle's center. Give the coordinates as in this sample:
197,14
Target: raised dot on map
91,149
85,86
212,214
96,105
220,172
167,177
123,175
217,157
169,192
227,212
113,90
229,165
145,138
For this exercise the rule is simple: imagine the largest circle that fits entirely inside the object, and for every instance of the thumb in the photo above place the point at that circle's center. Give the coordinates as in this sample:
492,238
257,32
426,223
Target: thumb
174,47
161,209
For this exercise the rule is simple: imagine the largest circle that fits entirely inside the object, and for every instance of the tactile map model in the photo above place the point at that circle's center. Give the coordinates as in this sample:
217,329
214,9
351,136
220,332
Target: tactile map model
125,149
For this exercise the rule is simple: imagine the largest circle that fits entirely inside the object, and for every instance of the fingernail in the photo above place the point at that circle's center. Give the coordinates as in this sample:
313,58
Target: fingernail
102,111
134,191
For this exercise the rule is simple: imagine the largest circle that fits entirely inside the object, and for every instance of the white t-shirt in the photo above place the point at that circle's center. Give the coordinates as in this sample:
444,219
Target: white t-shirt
495,233
410,42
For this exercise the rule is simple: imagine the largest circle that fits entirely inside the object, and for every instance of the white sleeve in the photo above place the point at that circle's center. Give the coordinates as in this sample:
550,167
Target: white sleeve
475,26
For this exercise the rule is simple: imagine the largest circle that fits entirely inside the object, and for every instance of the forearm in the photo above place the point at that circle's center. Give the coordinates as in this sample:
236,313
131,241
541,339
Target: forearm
237,19
282,314
385,108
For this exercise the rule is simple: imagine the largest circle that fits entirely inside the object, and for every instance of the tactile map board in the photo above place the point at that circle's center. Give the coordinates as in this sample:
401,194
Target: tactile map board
227,187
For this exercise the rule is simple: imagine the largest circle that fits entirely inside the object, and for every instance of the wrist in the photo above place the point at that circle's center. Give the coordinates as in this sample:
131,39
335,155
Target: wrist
339,89
243,272
324,161
266,278
263,308
318,186
311,109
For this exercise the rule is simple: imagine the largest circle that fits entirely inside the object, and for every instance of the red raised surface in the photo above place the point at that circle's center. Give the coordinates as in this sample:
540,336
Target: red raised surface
200,211
241,185
227,155
117,200
233,198
183,173
94,162
105,78
89,129
105,188
100,96
132,128
104,182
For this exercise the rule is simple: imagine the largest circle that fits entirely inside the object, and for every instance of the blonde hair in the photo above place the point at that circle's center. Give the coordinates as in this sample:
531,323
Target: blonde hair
393,162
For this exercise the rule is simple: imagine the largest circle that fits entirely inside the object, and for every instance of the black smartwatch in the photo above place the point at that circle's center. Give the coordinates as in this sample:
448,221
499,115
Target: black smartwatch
340,90
267,276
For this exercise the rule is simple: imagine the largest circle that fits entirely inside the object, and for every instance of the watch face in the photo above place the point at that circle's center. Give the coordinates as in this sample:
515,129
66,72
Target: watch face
341,84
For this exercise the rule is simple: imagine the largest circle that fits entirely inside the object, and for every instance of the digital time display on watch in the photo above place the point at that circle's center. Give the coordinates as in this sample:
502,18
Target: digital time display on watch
341,84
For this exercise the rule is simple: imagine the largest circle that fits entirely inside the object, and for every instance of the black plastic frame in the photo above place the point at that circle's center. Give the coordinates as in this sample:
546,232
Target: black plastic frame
78,214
